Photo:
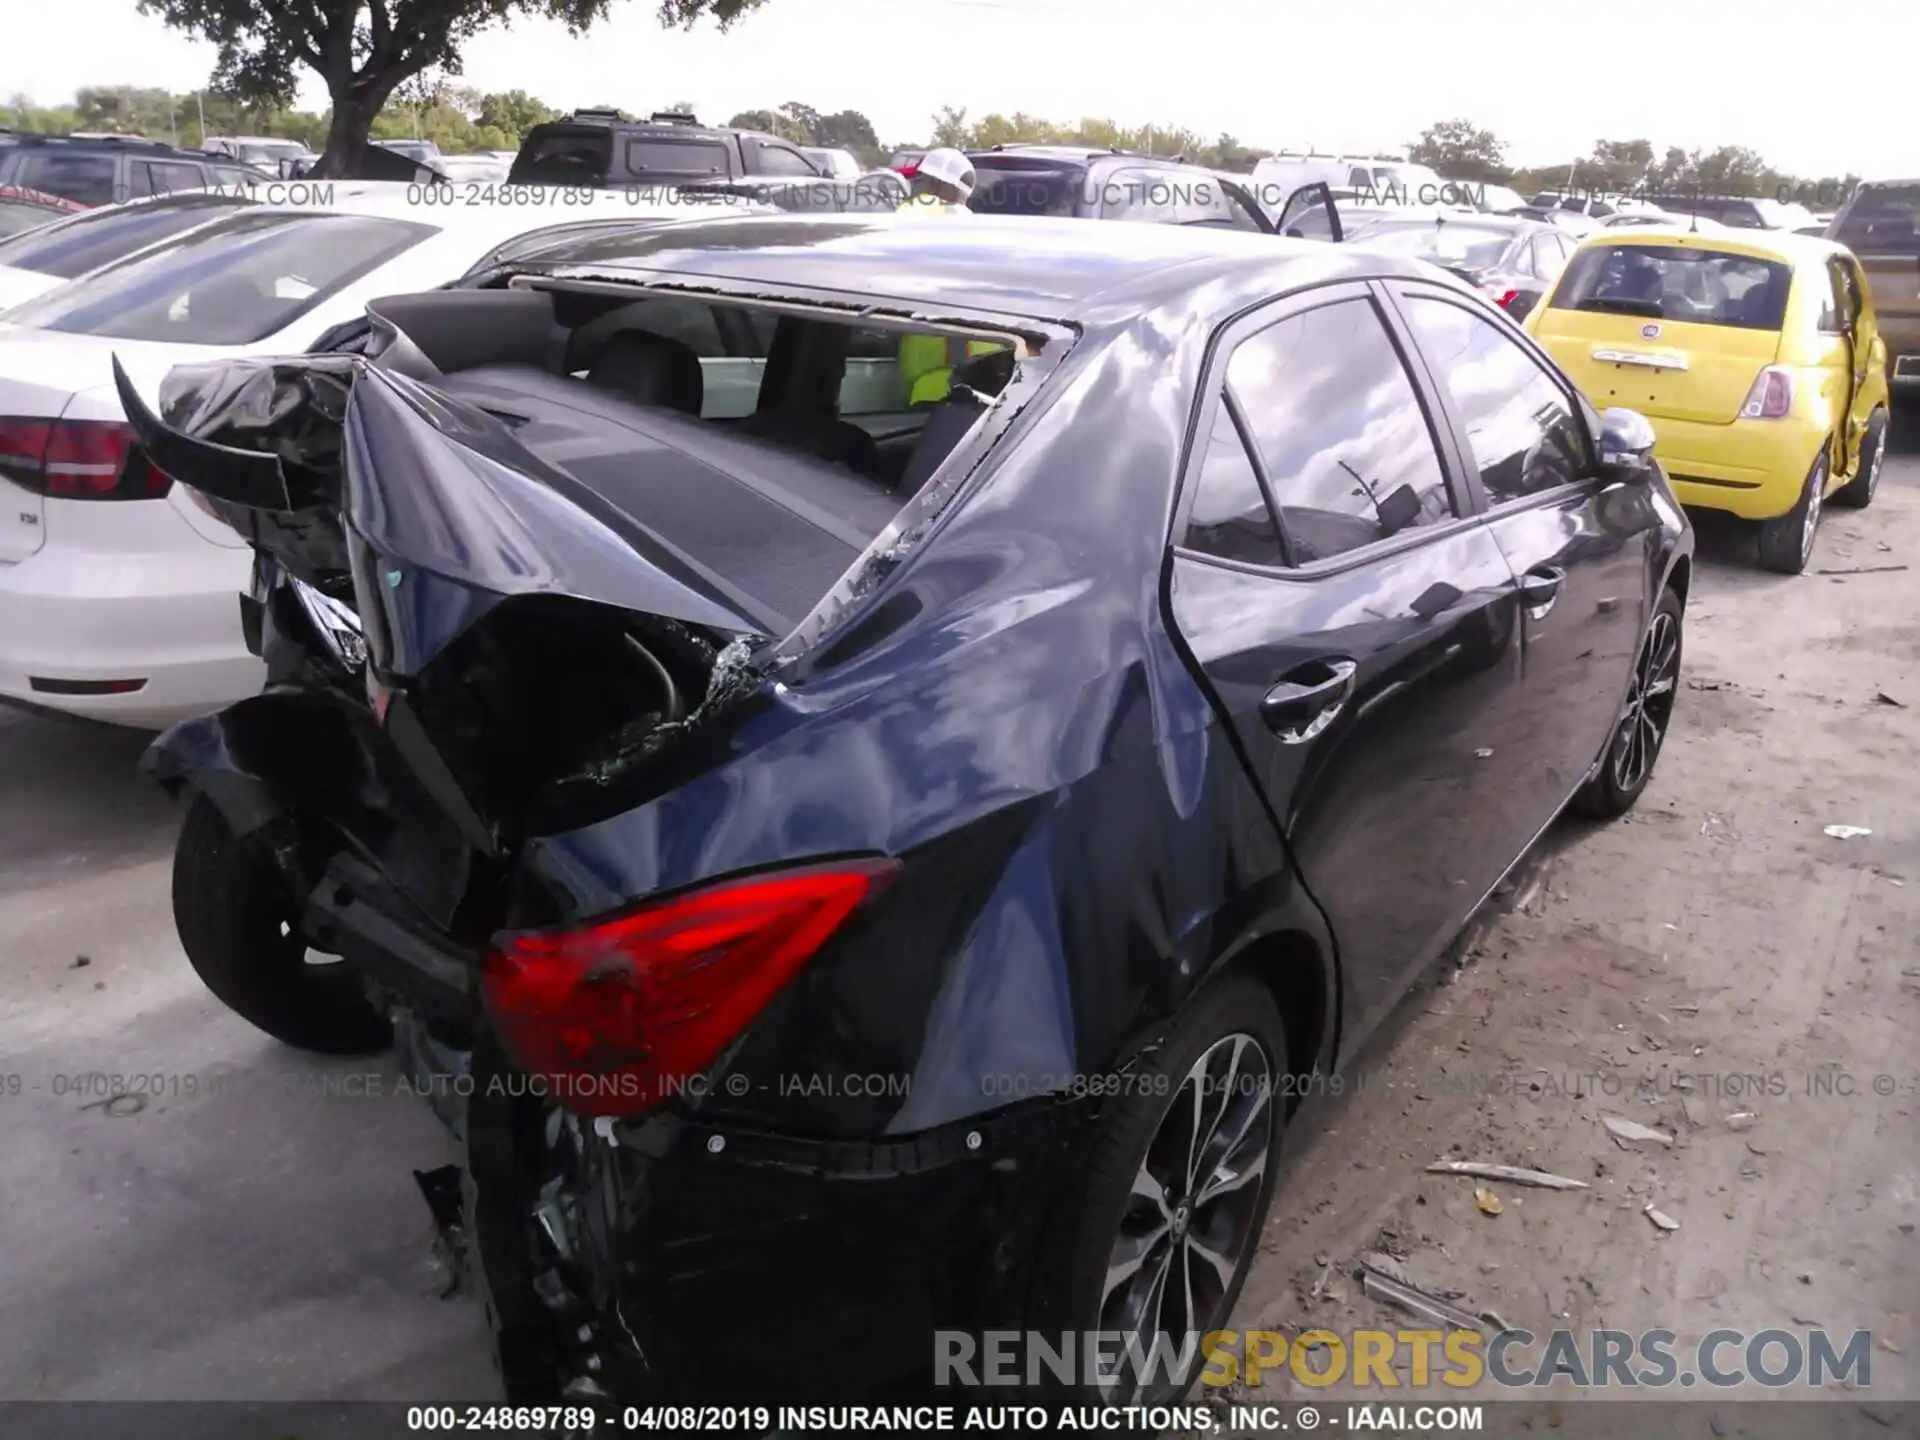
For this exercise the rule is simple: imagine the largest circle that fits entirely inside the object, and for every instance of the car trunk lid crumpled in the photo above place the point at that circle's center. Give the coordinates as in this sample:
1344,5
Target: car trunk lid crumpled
522,555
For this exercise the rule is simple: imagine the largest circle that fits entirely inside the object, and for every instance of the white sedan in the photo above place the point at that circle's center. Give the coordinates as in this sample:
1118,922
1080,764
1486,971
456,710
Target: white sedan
118,594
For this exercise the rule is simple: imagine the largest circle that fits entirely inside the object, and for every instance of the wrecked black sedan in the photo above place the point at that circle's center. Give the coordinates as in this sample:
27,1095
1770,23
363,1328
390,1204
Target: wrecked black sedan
877,865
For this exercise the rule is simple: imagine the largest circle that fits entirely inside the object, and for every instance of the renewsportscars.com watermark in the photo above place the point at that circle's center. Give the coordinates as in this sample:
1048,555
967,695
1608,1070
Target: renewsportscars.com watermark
1771,1359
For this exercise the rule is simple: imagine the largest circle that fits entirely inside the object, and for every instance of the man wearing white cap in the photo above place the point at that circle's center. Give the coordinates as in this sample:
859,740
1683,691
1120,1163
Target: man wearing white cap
941,185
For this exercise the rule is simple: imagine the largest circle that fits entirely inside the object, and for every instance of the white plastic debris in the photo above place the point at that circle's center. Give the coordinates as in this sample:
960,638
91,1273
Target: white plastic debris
1630,1130
1511,1173
1662,1219
1848,832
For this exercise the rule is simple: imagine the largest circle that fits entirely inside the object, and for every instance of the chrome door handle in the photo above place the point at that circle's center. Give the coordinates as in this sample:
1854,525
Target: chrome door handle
1307,699
1539,588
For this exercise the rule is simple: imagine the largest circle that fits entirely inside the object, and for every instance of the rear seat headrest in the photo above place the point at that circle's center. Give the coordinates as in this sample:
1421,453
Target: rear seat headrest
649,369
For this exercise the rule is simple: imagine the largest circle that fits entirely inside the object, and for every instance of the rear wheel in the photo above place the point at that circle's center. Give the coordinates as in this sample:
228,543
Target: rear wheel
1786,541
236,918
1642,727
1857,493
1157,1235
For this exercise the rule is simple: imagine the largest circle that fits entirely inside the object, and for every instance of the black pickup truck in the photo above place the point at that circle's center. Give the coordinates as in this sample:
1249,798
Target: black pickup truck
604,149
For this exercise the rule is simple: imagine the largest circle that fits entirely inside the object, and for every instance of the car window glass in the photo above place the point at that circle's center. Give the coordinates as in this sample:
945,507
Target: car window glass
777,160
99,237
1340,430
1164,197
16,216
1242,212
1833,300
1846,289
664,156
233,282
1520,424
155,177
86,178
1671,282
170,177
1230,517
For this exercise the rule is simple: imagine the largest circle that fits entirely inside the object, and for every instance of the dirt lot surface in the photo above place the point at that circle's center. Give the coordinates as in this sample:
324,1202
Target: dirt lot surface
1715,955
1716,967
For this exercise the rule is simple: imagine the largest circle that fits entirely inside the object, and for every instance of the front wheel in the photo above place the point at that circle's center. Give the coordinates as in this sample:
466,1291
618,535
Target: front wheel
1155,1239
1786,541
236,918
1642,728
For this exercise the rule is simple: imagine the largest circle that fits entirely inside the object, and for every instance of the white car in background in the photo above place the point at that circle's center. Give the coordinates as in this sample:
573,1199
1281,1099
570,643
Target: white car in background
117,591
832,162
35,261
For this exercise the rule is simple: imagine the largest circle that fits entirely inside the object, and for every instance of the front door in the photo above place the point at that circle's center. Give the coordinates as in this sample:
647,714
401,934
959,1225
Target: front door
1848,318
1360,636
1310,214
1581,551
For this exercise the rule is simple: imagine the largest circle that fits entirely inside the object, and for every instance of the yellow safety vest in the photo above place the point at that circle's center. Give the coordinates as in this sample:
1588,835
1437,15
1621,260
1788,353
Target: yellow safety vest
927,361
928,204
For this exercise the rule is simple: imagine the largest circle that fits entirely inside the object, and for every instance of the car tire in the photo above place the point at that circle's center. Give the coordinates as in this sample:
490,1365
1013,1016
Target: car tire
235,916
1230,1035
1786,541
1858,492
1633,749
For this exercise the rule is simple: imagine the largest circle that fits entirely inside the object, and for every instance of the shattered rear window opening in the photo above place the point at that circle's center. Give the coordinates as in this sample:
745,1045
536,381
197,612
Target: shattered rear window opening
1037,348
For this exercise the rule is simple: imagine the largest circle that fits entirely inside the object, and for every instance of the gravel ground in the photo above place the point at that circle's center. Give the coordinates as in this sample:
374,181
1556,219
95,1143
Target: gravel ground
243,1235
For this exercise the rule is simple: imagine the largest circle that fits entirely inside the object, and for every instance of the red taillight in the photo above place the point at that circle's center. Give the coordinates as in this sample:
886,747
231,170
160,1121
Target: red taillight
619,1015
1771,396
1501,295
78,460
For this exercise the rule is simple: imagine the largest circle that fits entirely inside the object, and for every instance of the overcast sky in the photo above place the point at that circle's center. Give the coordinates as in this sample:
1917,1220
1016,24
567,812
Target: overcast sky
1357,74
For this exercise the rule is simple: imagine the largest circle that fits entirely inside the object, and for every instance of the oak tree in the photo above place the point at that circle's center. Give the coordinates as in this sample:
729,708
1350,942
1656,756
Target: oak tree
365,49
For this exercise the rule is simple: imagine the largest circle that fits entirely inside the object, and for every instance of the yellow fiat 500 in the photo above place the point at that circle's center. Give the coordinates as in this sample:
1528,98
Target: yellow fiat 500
1755,356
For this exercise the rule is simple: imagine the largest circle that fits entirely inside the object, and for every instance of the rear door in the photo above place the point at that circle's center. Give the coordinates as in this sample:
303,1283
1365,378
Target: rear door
1674,329
1358,633
1582,552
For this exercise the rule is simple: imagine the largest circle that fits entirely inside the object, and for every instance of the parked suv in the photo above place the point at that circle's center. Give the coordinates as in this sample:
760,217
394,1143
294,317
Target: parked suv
107,170
1740,211
272,153
1072,181
603,148
1067,181
1881,225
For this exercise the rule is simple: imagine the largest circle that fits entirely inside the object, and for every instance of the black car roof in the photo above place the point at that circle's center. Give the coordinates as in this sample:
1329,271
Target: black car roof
678,130
112,144
1070,154
1051,269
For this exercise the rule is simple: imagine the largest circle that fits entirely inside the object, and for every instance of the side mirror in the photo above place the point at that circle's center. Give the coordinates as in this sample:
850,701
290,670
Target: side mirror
1626,444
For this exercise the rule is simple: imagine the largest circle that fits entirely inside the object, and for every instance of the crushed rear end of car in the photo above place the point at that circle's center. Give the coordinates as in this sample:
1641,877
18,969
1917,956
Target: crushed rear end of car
528,761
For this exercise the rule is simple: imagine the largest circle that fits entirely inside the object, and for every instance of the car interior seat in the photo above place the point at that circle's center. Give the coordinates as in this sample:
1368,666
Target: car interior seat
649,369
229,301
977,382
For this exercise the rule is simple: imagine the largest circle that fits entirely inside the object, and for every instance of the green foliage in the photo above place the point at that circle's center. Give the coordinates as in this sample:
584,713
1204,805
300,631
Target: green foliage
1461,150
845,129
365,50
